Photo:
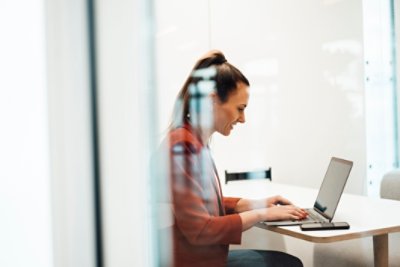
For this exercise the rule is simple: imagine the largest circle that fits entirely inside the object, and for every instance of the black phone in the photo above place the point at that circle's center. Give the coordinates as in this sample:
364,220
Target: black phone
324,226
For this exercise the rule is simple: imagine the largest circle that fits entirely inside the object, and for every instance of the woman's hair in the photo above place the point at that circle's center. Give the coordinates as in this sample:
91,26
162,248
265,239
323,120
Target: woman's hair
226,80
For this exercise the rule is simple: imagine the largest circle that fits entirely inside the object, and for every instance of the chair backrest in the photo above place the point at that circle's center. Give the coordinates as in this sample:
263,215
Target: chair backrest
390,185
235,176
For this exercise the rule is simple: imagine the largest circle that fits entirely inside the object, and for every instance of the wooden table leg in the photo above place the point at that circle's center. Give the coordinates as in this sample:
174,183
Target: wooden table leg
381,251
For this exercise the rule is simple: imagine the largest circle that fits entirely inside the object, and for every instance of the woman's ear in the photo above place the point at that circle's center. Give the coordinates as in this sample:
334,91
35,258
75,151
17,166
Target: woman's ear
214,98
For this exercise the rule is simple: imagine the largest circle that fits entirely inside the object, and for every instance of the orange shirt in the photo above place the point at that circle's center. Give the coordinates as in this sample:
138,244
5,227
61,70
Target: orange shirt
204,221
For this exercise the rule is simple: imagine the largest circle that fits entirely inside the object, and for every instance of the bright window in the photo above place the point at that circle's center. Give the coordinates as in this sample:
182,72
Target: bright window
380,90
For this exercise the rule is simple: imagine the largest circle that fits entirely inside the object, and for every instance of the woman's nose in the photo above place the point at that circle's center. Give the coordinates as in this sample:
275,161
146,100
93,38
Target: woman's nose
242,118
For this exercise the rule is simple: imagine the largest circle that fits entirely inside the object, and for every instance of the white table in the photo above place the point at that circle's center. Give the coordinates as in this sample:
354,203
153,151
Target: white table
366,216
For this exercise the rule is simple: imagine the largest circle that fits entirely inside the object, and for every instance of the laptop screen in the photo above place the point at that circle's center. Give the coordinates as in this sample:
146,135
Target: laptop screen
332,186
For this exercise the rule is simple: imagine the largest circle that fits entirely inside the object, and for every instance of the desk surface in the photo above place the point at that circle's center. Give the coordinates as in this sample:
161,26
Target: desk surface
366,216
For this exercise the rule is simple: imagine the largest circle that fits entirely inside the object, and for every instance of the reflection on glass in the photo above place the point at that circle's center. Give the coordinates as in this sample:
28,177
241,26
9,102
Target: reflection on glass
202,222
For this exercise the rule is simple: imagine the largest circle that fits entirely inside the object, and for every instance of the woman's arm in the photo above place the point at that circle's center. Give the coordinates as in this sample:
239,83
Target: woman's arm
275,208
274,213
251,204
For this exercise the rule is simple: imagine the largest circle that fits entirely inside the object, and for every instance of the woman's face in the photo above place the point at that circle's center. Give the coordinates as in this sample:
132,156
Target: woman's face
227,114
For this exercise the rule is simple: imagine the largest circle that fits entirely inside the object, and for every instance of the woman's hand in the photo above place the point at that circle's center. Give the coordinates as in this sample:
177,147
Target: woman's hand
252,204
284,212
277,200
274,213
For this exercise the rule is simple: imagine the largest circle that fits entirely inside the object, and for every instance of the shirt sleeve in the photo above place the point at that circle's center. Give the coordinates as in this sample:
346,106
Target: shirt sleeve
230,204
190,201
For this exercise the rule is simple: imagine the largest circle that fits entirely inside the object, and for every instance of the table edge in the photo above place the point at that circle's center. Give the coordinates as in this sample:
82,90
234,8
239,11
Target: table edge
328,239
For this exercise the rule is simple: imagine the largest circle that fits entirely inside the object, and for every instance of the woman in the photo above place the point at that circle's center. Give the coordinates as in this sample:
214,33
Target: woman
214,99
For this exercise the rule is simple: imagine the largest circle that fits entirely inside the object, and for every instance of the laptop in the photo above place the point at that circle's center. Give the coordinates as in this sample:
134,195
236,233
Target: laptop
328,196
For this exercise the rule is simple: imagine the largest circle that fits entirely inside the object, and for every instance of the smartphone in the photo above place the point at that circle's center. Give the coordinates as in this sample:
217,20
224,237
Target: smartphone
324,226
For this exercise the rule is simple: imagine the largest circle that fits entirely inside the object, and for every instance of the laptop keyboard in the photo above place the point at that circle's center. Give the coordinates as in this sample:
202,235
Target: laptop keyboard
314,216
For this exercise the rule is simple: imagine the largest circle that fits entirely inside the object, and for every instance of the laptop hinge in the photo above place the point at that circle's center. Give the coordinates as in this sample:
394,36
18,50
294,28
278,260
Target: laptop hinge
322,214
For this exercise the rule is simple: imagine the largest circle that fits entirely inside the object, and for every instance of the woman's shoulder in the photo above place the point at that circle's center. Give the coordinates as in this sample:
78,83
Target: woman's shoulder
184,139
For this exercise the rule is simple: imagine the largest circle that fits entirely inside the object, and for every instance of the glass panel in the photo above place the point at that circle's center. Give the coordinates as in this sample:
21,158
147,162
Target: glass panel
25,227
379,87
321,85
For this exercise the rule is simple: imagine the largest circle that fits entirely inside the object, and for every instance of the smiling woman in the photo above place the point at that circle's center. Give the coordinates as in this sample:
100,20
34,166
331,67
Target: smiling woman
229,100
213,99
228,113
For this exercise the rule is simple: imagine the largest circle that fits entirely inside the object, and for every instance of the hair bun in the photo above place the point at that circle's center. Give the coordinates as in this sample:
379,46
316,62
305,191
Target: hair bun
219,59
212,57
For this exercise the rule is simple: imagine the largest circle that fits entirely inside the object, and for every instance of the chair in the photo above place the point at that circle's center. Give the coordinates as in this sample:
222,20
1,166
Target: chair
359,252
235,176
390,185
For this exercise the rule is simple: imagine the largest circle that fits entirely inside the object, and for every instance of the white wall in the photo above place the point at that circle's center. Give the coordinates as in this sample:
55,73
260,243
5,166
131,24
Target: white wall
182,35
307,85
304,60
